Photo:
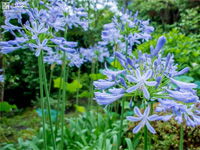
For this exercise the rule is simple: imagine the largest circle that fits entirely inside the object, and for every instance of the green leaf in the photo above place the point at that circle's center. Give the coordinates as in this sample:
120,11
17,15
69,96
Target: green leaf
198,83
84,94
5,106
136,140
71,87
97,76
57,83
129,143
184,78
116,64
53,113
80,108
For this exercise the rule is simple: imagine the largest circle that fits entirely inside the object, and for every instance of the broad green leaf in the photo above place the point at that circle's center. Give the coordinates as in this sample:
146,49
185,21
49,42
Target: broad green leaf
71,87
97,76
129,143
80,108
184,78
84,94
57,83
5,106
53,113
136,140
116,64
198,83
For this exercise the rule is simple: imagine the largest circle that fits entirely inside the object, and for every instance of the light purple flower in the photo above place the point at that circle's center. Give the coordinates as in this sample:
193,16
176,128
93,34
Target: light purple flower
184,85
106,98
40,46
143,118
141,81
36,29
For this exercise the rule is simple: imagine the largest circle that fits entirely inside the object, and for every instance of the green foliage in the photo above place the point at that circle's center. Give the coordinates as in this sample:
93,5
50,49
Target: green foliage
5,106
190,20
53,113
97,76
71,87
186,50
89,131
24,124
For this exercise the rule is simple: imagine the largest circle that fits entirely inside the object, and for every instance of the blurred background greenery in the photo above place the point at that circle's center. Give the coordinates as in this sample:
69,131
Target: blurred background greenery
178,20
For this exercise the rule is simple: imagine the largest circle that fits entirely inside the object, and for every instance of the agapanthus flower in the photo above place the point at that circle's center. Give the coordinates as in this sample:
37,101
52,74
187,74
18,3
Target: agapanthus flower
179,111
153,75
53,57
40,46
36,29
144,119
96,52
106,98
141,80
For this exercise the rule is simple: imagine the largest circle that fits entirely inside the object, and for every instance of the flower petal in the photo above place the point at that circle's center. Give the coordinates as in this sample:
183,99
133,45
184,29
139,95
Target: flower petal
153,117
132,89
37,52
134,119
151,129
137,128
150,83
131,79
146,92
137,72
148,74
137,111
146,112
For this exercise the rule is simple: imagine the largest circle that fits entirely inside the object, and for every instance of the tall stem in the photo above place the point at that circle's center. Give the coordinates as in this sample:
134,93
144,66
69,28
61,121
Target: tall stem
181,138
42,102
97,71
77,90
122,117
123,101
64,95
58,104
91,90
145,135
47,100
50,81
63,103
151,112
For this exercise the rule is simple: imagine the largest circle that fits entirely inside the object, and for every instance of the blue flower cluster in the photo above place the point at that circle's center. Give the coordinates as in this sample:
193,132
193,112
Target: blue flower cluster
39,32
151,78
127,28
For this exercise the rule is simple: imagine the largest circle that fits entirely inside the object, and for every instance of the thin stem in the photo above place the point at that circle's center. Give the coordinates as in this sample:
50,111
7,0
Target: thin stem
91,96
58,104
151,112
122,117
64,95
145,135
42,102
63,103
47,100
181,137
97,71
50,81
77,89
